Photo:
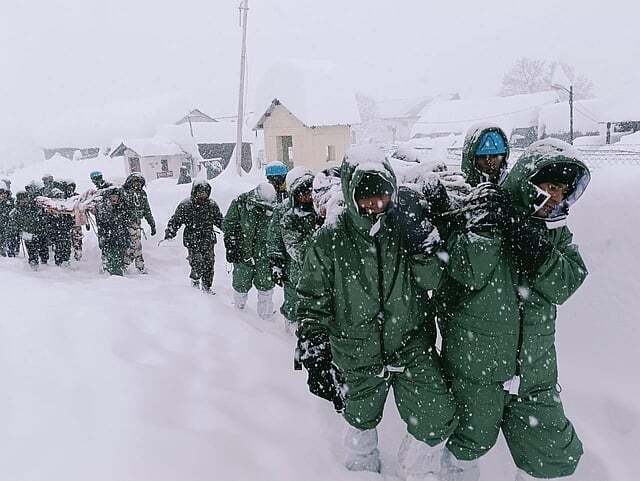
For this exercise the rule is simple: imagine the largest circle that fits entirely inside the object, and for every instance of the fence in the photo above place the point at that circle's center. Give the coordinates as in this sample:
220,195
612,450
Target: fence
594,156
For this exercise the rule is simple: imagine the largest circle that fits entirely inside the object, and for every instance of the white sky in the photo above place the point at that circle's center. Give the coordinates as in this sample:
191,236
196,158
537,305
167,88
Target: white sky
82,72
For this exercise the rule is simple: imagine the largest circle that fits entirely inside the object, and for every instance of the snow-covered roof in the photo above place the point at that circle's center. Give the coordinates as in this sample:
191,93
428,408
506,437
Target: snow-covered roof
401,108
456,116
315,92
554,118
621,109
149,147
196,116
203,133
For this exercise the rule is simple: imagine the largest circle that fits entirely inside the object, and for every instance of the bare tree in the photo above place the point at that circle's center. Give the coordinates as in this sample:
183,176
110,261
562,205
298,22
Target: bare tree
530,76
525,77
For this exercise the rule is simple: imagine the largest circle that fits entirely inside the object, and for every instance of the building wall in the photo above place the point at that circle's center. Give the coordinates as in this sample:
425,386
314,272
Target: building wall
309,144
151,166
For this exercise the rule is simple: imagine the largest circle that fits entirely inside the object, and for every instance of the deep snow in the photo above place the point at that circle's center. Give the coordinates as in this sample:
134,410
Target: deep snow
144,378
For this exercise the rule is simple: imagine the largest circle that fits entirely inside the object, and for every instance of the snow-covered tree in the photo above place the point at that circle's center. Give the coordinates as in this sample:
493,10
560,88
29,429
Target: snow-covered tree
528,76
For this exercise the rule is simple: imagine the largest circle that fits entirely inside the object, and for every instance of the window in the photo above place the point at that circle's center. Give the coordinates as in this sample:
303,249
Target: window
284,146
331,153
134,164
164,165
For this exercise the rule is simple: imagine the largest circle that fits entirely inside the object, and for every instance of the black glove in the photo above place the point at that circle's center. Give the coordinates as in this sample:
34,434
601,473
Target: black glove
153,230
529,244
324,379
169,235
489,209
438,204
409,217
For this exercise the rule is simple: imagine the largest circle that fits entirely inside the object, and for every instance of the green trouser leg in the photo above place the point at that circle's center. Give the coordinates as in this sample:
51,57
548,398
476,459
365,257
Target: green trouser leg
288,308
247,275
541,439
242,277
421,395
115,257
262,275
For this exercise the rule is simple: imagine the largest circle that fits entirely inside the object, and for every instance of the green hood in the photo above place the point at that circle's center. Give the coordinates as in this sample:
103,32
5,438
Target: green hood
361,161
471,141
525,195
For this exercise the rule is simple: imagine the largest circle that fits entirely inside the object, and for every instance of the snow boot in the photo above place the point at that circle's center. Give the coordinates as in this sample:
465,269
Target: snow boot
240,299
524,476
265,305
362,450
195,284
418,461
454,469
208,290
34,266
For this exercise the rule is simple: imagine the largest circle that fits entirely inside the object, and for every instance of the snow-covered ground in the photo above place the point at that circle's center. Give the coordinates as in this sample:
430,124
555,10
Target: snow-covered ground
144,378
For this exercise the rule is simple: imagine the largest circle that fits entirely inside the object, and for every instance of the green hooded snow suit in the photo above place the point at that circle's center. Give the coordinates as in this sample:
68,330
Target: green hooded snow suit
359,287
245,225
499,322
297,228
471,142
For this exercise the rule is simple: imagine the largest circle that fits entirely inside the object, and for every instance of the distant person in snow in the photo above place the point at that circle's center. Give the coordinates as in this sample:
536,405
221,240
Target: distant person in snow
363,308
7,204
98,180
113,219
60,226
507,272
27,221
276,173
138,203
485,153
69,188
185,176
199,215
48,184
245,237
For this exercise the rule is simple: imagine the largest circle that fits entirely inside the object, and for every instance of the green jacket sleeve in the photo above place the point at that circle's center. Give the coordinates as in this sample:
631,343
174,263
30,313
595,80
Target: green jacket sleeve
294,238
427,271
218,218
231,223
315,293
275,245
473,258
563,272
148,216
177,220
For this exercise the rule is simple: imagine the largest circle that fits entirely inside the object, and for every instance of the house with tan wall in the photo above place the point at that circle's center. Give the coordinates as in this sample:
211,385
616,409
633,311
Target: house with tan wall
298,139
155,158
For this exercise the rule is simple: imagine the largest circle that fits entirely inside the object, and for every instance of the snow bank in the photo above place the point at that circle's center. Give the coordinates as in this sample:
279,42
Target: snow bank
142,377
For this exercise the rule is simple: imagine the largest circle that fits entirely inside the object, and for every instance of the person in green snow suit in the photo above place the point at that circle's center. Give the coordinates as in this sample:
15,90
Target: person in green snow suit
298,224
138,203
485,154
245,227
113,218
279,260
199,214
27,221
506,274
362,306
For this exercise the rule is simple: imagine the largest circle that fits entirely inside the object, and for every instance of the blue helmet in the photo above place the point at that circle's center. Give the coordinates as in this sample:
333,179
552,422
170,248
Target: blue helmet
275,168
96,174
491,143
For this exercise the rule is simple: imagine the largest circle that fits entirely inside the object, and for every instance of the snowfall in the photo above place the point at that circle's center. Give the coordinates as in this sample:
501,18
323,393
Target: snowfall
144,378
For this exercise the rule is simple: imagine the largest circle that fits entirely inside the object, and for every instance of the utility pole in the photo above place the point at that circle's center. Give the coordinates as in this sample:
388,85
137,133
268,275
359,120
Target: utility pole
244,9
571,114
